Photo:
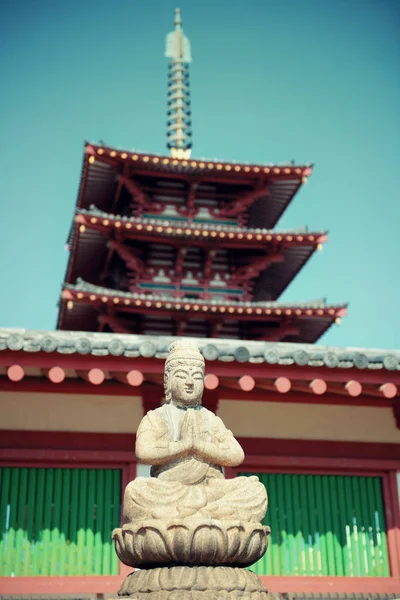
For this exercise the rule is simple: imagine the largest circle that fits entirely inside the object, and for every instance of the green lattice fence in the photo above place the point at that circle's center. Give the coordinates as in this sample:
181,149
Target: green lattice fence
58,521
324,525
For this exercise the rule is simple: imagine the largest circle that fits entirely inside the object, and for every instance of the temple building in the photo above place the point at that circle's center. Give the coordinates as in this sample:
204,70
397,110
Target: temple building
175,246
169,246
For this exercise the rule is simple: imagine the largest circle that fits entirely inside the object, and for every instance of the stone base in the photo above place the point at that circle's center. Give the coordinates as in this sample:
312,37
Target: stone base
190,542
193,583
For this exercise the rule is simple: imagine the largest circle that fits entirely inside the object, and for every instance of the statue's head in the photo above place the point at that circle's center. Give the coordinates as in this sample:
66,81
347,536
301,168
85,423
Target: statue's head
184,374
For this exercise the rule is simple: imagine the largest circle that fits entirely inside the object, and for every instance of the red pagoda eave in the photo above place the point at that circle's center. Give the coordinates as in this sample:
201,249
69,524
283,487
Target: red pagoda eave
203,167
229,236
131,302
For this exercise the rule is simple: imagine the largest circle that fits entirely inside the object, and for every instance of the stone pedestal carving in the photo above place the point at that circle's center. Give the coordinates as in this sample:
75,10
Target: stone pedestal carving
193,583
190,531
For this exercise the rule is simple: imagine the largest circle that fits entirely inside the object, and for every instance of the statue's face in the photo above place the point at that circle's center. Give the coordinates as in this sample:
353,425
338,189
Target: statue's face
186,385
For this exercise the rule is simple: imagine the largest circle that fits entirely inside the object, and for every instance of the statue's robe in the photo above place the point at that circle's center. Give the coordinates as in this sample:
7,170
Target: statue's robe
190,486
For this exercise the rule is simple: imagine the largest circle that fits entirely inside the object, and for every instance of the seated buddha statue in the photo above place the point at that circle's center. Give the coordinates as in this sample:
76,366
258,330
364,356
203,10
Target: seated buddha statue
187,447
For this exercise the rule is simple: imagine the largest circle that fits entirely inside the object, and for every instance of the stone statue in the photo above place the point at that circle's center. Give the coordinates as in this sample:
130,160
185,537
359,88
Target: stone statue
187,446
187,513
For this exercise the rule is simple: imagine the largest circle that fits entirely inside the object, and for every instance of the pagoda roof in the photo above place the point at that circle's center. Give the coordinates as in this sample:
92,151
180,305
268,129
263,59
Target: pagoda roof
102,165
221,350
309,319
90,246
225,234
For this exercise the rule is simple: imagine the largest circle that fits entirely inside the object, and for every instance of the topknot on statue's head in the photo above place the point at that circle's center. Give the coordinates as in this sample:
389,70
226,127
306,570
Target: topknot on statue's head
183,352
184,349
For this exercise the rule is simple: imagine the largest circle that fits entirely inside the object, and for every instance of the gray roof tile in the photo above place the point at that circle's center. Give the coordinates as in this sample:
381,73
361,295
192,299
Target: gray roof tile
224,350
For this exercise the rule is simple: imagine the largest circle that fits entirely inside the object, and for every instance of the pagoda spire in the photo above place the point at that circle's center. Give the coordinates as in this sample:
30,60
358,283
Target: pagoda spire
179,131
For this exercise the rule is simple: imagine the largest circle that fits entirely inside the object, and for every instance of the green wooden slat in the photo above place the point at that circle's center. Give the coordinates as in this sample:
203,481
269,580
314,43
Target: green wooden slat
56,521
297,526
350,517
263,562
273,516
10,548
321,525
81,535
106,563
30,517
328,525
281,514
305,524
98,536
19,538
367,524
287,481
370,507
315,556
46,533
73,523
363,567
39,506
336,524
116,498
378,570
267,521
4,501
64,533
343,522
382,527
259,566
90,514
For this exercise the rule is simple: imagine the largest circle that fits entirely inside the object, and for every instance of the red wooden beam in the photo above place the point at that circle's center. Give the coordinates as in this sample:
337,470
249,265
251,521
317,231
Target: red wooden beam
254,268
245,383
60,585
320,464
262,370
117,325
386,390
242,202
133,188
351,388
151,397
390,507
134,378
281,385
388,454
321,585
95,376
189,209
67,440
180,257
128,255
395,505
316,386
209,255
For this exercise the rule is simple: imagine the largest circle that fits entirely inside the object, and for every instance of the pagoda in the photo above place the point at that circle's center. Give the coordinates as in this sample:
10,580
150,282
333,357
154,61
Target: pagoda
172,245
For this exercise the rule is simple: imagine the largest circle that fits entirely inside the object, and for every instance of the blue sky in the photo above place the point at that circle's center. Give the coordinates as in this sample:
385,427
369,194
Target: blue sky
311,80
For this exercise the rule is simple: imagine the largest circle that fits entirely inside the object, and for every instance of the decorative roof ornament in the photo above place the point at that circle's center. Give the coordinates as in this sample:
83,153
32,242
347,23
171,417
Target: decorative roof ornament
179,131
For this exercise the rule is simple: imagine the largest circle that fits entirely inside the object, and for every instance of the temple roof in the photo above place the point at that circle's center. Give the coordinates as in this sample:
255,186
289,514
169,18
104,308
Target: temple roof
84,305
94,228
223,350
103,165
